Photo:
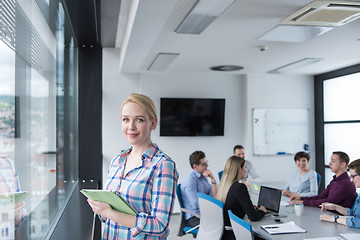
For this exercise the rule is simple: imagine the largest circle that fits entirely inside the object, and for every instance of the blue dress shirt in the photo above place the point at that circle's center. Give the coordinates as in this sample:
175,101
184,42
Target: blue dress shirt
355,212
193,183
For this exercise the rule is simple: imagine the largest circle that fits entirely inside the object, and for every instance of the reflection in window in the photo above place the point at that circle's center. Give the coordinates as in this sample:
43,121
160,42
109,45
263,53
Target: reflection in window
341,104
342,137
341,98
38,116
7,101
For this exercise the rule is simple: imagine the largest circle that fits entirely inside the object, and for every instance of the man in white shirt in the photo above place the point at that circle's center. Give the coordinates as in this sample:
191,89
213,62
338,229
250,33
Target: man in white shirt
250,170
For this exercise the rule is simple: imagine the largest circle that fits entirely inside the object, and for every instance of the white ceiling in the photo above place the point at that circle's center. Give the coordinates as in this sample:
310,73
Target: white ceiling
230,39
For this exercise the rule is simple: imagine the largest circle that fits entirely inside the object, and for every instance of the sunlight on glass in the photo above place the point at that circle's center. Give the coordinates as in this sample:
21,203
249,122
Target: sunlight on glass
342,137
7,101
341,98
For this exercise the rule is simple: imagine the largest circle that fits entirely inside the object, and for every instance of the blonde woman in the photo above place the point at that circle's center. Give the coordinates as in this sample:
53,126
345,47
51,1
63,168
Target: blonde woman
235,195
144,175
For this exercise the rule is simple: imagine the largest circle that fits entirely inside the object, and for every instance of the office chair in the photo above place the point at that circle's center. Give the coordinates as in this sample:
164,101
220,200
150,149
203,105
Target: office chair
318,178
242,229
220,175
184,228
212,220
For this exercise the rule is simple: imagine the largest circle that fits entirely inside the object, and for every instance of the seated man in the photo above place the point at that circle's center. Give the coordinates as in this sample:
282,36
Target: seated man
196,181
250,170
340,191
353,214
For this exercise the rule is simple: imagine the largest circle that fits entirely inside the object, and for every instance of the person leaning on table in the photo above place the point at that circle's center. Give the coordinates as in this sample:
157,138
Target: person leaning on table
304,181
235,195
354,212
339,191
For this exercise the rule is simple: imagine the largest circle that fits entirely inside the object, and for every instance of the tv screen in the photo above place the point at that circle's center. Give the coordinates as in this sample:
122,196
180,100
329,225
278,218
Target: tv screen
192,117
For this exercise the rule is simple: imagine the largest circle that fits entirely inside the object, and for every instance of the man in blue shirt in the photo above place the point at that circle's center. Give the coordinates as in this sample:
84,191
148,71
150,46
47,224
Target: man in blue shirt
196,181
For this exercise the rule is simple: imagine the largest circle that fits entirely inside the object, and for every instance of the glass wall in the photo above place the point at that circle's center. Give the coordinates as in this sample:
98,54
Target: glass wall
38,116
341,118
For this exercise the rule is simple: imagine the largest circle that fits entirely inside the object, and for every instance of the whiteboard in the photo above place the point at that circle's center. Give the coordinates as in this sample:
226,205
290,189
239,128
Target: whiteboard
280,131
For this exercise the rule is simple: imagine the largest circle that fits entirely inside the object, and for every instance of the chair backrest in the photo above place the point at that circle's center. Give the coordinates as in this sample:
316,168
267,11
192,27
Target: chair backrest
318,178
242,229
220,174
184,228
212,220
178,194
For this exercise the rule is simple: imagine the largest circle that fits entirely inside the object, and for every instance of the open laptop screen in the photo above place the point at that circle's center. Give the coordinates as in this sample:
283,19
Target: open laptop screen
270,198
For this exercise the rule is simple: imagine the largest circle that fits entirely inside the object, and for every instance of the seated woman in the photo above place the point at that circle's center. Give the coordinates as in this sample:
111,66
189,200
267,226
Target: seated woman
304,181
353,214
235,195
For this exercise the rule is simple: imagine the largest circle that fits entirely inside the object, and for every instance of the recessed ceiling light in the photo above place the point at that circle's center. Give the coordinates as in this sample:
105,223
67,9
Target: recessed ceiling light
293,33
202,15
226,68
291,66
162,61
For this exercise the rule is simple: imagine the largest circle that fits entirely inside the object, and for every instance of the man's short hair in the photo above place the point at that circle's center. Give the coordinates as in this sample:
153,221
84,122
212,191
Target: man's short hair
238,147
343,157
355,165
195,158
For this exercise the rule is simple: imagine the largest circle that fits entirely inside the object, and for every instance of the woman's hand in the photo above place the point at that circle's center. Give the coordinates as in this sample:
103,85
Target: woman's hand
296,202
287,193
100,208
291,195
262,208
19,212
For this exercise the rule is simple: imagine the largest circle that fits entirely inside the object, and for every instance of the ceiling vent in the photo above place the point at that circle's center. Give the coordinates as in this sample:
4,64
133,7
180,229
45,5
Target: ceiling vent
325,13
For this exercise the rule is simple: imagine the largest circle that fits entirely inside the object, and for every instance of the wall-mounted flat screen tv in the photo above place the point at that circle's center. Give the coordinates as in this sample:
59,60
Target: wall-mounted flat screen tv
192,117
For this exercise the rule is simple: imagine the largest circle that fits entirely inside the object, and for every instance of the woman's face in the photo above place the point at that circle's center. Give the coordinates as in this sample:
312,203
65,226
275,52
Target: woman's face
136,124
243,172
302,164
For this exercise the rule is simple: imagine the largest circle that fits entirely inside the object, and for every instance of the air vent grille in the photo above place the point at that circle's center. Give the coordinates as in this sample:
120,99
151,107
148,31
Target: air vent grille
325,13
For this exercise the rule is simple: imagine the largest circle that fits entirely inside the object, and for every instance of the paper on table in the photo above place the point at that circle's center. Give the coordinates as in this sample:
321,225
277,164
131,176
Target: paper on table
323,238
351,236
289,227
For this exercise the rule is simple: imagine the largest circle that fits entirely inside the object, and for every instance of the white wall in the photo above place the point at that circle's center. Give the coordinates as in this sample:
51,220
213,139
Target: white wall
279,91
242,94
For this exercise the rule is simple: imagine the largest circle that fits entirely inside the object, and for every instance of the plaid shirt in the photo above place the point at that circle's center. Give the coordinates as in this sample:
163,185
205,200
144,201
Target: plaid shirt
149,189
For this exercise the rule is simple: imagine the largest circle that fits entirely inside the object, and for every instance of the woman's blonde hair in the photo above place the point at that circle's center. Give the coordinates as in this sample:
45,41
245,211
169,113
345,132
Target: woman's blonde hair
230,175
145,102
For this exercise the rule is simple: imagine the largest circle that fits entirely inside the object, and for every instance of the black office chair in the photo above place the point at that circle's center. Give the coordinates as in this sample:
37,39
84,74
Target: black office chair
184,228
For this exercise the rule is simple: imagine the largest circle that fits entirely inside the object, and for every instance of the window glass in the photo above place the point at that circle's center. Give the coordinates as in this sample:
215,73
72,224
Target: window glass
342,98
38,117
342,137
328,176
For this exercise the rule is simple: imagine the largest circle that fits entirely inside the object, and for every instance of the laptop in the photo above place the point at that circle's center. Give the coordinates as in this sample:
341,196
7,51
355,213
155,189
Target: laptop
270,198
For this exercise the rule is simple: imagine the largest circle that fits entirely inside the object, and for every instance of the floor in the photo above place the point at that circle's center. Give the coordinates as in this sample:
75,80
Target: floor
174,228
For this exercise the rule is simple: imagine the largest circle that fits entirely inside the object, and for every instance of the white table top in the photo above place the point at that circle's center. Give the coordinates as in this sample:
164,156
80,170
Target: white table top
309,220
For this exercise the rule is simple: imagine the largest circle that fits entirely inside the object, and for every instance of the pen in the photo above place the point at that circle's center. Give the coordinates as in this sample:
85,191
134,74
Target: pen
271,227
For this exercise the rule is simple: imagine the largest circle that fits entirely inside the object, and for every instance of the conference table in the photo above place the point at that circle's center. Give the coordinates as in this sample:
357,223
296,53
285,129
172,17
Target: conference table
309,220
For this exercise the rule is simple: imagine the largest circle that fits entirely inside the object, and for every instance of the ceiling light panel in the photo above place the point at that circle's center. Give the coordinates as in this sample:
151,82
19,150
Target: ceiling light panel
162,61
293,33
202,15
295,65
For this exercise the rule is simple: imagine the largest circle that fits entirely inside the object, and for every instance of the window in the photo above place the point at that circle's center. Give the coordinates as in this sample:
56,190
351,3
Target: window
340,121
38,114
